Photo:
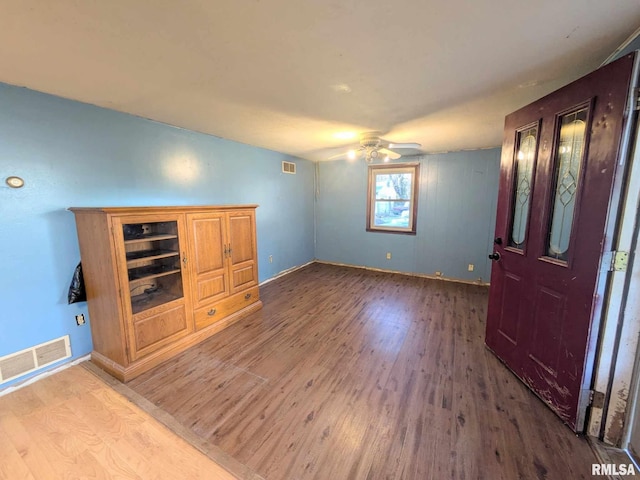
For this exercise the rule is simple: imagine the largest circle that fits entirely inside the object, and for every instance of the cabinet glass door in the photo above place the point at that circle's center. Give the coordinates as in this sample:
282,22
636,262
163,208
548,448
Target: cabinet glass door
153,263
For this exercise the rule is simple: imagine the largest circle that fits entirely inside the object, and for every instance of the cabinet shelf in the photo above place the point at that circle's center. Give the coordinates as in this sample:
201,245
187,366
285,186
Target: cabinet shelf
142,255
149,238
140,274
145,301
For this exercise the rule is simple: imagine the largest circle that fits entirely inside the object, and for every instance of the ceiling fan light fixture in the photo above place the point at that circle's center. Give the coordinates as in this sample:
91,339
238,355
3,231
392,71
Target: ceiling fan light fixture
372,147
371,154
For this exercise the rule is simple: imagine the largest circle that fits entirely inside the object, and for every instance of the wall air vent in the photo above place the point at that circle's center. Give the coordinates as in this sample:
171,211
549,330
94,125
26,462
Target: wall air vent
31,359
289,167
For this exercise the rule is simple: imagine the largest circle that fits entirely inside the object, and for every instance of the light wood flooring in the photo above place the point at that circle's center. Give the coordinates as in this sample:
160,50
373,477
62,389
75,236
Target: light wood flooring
354,374
72,425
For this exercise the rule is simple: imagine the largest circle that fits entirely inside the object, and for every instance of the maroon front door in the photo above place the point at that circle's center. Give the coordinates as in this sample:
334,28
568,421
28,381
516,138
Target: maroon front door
557,172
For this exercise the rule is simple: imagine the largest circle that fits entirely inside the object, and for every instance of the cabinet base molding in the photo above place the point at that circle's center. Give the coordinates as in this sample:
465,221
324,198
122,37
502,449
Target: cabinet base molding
124,374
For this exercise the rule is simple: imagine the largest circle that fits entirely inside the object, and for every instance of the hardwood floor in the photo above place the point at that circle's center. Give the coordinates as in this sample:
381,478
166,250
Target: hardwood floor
71,425
354,374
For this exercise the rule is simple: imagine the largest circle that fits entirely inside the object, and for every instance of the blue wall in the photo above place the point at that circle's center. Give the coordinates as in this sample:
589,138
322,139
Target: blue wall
456,217
73,154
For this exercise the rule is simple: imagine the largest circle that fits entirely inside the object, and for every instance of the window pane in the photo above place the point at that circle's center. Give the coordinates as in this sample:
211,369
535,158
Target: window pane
568,159
524,160
392,214
393,186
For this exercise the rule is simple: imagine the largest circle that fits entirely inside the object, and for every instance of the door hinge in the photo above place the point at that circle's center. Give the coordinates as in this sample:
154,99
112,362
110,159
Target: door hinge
615,261
596,399
636,99
619,261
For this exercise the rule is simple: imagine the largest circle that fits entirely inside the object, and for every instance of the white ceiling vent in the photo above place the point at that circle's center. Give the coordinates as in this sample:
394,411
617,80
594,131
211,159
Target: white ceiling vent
26,361
289,167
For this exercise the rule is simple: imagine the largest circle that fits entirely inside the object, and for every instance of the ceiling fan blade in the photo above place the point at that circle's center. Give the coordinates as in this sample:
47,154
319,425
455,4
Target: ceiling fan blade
403,145
390,154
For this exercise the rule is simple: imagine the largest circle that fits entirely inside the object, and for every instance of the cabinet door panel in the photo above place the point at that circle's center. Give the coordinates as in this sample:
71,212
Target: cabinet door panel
243,264
152,279
158,330
210,288
241,237
207,246
244,277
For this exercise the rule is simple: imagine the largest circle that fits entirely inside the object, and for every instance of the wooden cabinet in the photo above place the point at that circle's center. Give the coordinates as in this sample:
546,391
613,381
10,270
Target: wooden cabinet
161,279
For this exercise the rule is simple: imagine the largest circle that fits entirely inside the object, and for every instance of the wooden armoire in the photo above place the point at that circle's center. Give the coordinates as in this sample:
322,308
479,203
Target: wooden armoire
161,279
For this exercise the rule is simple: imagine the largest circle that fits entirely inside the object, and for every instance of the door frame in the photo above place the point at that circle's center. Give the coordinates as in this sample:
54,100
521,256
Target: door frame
612,351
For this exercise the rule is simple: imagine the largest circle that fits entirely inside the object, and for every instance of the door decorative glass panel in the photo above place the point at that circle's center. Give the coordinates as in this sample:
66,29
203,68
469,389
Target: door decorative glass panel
568,162
525,155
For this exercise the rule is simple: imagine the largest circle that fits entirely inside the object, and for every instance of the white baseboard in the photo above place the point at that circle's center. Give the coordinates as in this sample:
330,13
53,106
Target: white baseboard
411,274
286,272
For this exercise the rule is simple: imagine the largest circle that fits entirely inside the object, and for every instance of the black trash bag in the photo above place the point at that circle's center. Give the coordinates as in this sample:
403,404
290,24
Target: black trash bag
77,292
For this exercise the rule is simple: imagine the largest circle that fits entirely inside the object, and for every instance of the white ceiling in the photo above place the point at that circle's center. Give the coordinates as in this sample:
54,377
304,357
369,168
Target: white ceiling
292,75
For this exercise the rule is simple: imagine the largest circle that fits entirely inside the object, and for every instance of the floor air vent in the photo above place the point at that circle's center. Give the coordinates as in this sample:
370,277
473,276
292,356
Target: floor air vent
25,361
289,167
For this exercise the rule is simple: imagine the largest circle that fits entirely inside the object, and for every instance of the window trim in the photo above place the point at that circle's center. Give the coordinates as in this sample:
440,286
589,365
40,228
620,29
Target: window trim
414,168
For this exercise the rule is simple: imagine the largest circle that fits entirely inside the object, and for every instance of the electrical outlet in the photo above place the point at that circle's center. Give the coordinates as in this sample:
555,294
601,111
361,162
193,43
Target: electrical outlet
388,255
80,319
270,258
471,267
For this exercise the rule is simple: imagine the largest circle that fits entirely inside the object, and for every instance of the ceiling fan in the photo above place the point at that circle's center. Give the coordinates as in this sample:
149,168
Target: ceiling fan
372,148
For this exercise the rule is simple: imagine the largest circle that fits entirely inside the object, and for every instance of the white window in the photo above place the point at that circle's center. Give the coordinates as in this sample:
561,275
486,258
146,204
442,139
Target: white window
392,201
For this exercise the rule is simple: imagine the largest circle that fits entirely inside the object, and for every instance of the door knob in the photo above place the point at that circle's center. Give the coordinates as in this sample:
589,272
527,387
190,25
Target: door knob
495,256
